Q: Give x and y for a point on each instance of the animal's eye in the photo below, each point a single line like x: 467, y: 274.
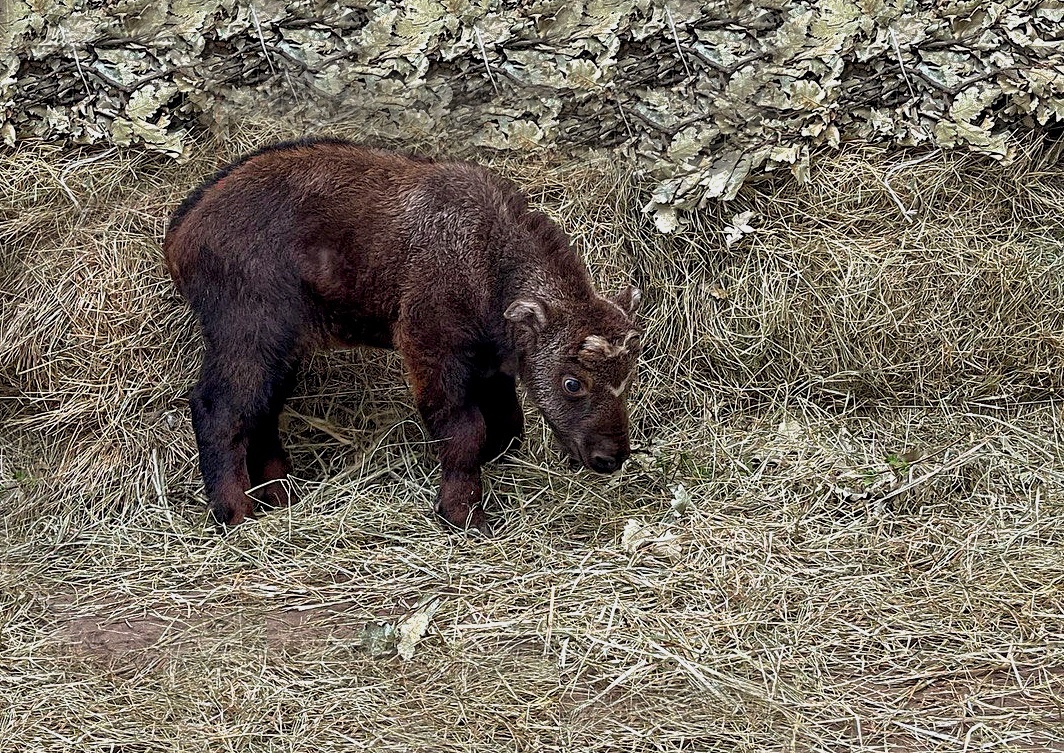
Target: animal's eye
x: 573, y: 386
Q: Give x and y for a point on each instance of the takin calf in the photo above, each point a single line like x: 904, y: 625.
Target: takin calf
x: 325, y: 243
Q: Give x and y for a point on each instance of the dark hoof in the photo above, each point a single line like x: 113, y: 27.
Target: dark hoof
x: 276, y: 494
x: 458, y: 503
x: 474, y: 520
x: 227, y: 515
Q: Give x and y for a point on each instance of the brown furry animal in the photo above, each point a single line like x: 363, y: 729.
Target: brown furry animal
x: 324, y: 243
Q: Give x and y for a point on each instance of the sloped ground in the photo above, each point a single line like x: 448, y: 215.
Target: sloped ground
x: 845, y: 529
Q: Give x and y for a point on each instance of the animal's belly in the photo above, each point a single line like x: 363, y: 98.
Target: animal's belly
x: 347, y: 332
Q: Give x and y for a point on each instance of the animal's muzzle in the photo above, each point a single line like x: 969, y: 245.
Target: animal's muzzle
x: 607, y: 456
x: 605, y: 463
x: 596, y: 453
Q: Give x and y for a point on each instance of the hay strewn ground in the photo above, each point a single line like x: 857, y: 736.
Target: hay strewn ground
x: 846, y: 531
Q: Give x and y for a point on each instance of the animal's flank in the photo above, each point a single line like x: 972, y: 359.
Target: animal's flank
x: 322, y: 242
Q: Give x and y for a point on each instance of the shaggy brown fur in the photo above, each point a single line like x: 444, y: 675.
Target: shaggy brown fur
x: 326, y: 243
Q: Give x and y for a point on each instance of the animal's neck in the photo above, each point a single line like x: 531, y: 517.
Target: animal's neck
x: 557, y: 277
x: 538, y: 264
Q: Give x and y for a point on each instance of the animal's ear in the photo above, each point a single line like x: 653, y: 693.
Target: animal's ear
x: 629, y: 299
x: 531, y: 312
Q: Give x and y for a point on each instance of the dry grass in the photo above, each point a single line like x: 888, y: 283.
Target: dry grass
x: 846, y: 531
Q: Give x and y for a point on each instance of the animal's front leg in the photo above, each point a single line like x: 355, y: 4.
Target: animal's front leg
x: 439, y: 361
x: 461, y: 436
x: 441, y: 391
x: 460, y: 433
x: 496, y: 396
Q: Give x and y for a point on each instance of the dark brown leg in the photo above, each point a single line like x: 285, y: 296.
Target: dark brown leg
x: 267, y: 462
x: 235, y: 406
x: 222, y: 436
x: 441, y: 382
x: 461, y: 437
x: 496, y: 396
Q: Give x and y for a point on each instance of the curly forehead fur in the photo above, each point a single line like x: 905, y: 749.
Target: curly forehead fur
x: 597, y: 347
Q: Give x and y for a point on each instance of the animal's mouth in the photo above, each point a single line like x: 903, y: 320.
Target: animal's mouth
x: 573, y: 452
x: 570, y: 452
x: 604, y: 463
x: 574, y: 456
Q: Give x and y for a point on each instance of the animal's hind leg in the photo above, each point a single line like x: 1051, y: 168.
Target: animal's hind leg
x: 234, y: 412
x: 268, y: 464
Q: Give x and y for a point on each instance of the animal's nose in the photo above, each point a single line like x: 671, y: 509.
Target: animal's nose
x: 605, y: 463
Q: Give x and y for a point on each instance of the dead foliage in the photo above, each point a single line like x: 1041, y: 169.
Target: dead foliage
x: 701, y: 94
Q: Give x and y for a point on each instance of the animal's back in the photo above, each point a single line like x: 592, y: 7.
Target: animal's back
x: 272, y: 205
x: 358, y: 228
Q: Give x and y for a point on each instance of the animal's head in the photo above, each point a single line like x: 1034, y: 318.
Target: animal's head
x: 577, y: 361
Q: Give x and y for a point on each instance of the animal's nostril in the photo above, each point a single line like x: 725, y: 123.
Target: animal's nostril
x: 604, y: 463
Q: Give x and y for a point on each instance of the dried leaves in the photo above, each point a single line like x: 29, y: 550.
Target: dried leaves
x: 699, y: 94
